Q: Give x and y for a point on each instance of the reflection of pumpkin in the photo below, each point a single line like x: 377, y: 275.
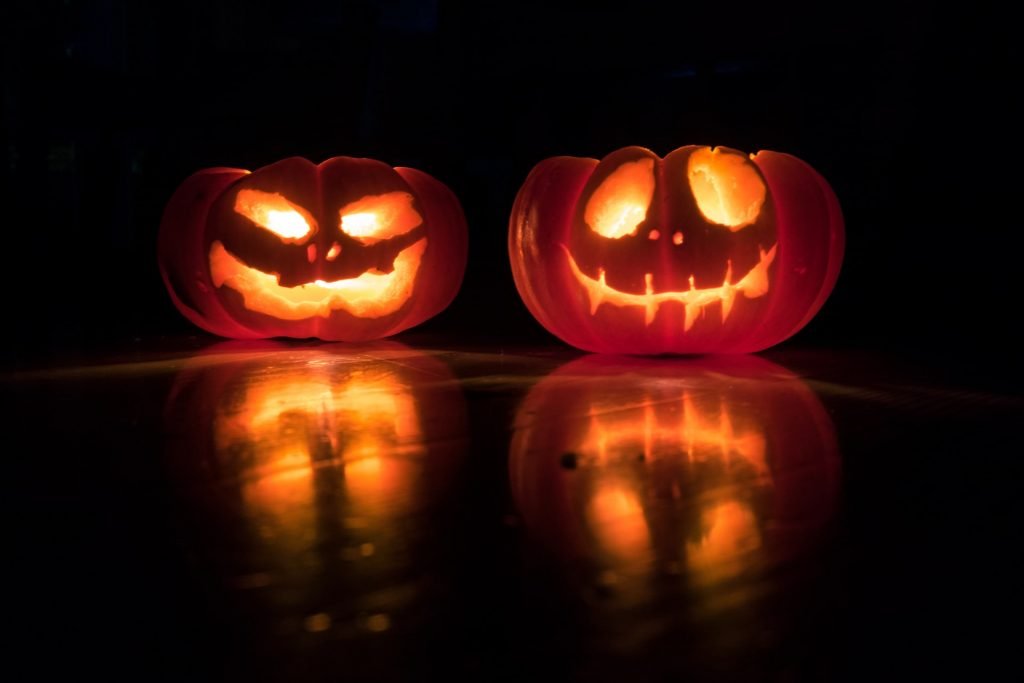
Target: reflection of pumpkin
x: 348, y: 250
x: 318, y: 463
x: 703, y: 251
x: 710, y: 468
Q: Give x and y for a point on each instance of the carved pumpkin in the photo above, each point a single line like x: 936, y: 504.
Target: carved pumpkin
x: 704, y: 251
x: 349, y: 250
x: 311, y: 466
x: 706, y: 469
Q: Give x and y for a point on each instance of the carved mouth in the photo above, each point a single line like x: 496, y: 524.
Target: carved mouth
x: 753, y: 285
x: 371, y: 295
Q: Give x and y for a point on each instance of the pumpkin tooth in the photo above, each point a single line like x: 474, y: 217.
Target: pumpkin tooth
x: 755, y: 283
x: 597, y: 293
x: 692, y: 311
x: 651, y: 309
x: 728, y: 298
x: 728, y: 293
x: 752, y: 285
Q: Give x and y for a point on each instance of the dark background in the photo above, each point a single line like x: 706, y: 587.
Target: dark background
x: 910, y: 112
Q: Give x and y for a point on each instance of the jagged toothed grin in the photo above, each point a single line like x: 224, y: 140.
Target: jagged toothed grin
x: 370, y: 295
x: 752, y: 285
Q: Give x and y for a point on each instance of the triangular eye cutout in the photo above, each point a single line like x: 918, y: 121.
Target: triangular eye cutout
x: 379, y: 217
x: 728, y: 189
x: 619, y: 205
x: 272, y: 212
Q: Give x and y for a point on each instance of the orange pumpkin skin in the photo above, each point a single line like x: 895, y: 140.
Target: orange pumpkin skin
x: 703, y: 251
x: 347, y: 250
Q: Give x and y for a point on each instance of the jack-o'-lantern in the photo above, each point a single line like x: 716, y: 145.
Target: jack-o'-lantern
x: 315, y: 466
x: 704, y: 470
x: 704, y: 251
x: 347, y: 250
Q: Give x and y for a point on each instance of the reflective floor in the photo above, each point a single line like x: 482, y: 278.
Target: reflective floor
x: 298, y: 512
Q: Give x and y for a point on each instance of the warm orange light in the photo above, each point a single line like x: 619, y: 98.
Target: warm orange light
x: 670, y: 426
x: 677, y: 429
x: 370, y: 295
x: 287, y: 425
x: 271, y: 211
x: 729, y: 534
x: 728, y: 189
x: 376, y: 484
x: 379, y: 217
x: 754, y: 284
x: 383, y: 424
x: 617, y: 518
x: 620, y: 203
x: 649, y: 477
x: 280, y: 503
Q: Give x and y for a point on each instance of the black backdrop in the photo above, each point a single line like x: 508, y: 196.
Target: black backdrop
x: 909, y: 111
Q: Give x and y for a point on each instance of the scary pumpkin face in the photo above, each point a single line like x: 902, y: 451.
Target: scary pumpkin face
x: 348, y: 250
x: 706, y: 250
x: 700, y: 469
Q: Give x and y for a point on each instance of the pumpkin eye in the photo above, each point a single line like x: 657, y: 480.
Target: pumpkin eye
x: 274, y: 213
x: 379, y: 217
x: 728, y: 190
x: 619, y: 204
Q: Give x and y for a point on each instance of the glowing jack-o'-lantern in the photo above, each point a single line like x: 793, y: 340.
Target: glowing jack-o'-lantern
x: 317, y: 465
x: 704, y: 251
x: 700, y: 469
x: 349, y: 250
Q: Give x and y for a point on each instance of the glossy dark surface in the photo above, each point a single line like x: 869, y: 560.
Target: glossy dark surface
x: 299, y: 512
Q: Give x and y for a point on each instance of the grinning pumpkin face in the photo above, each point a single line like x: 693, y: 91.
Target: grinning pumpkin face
x: 350, y: 249
x: 697, y: 253
x: 701, y: 251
